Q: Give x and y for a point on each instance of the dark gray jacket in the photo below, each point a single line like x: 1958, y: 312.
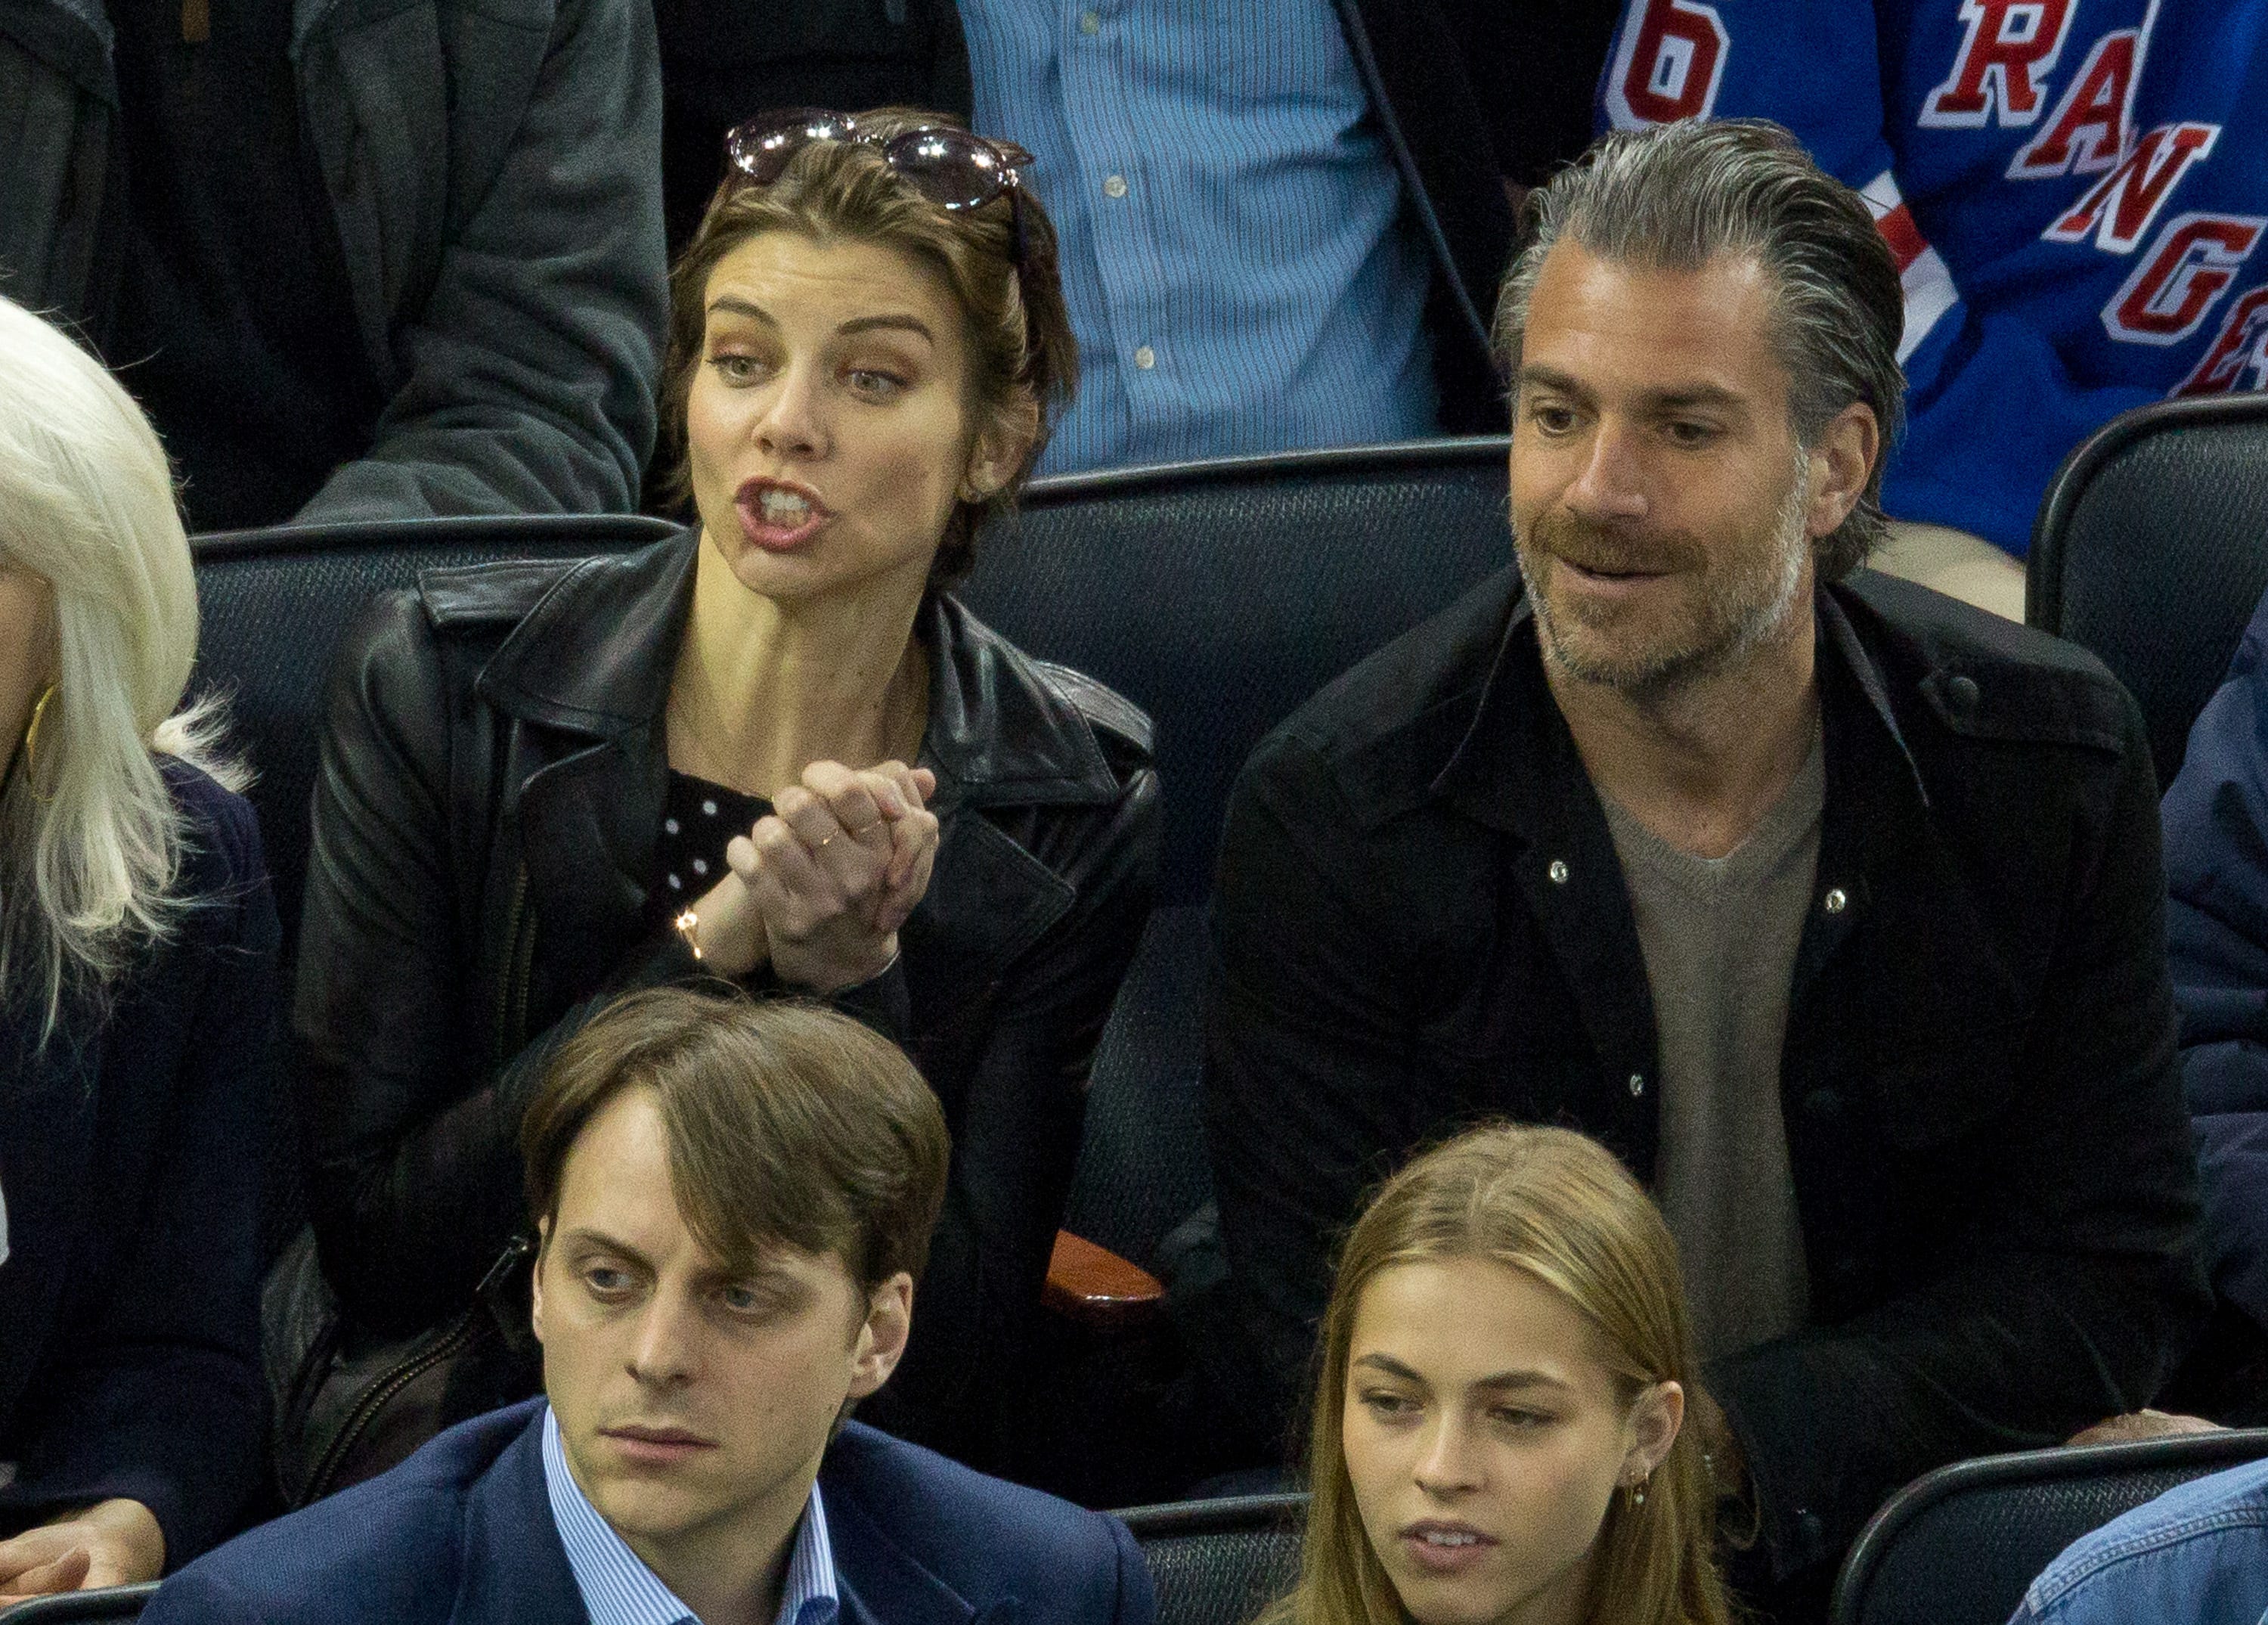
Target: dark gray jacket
x: 493, y: 169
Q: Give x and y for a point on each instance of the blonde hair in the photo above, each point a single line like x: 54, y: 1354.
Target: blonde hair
x: 1023, y: 356
x: 1560, y: 1208
x: 89, y: 838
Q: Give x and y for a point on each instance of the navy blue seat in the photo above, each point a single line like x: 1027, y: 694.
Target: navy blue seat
x: 2152, y: 548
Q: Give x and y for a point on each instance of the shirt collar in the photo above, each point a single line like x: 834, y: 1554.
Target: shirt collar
x: 617, y: 1587
x: 1502, y: 785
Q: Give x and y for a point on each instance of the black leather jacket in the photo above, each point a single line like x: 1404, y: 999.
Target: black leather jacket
x: 494, y: 767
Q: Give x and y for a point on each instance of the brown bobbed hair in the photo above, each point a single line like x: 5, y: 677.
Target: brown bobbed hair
x: 1560, y: 1208
x: 1023, y: 357
x: 787, y: 1125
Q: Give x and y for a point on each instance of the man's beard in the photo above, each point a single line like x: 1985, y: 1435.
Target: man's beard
x: 1743, y: 604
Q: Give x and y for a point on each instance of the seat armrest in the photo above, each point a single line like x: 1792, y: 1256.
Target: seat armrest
x: 1095, y: 1287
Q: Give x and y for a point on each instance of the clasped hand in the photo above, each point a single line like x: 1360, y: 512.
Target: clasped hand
x: 821, y: 884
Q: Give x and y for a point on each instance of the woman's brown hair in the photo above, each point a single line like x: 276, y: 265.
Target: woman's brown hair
x: 1561, y: 1209
x: 1023, y: 359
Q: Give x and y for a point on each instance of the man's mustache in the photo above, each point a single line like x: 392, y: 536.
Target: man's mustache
x: 1608, y: 550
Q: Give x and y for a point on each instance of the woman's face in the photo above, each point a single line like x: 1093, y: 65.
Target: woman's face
x: 1485, y: 1440
x: 828, y: 424
x: 28, y: 651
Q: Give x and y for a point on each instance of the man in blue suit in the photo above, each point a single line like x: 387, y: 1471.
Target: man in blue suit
x: 733, y: 1201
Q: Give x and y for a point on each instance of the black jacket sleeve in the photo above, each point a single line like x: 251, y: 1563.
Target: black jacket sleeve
x: 1018, y: 1120
x: 415, y: 1178
x: 1311, y: 1088
x: 2075, y: 1287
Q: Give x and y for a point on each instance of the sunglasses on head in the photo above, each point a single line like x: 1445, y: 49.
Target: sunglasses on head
x: 954, y: 168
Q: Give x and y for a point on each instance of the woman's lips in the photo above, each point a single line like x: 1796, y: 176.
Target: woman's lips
x: 779, y: 516
x: 1442, y: 1549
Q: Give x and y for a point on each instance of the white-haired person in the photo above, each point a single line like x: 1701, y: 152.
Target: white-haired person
x: 137, y: 963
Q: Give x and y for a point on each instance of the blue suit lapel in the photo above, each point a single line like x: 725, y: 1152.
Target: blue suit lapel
x: 882, y: 1584
x: 514, y: 1570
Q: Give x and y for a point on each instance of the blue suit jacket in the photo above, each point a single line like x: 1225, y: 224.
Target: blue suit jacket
x: 461, y: 1533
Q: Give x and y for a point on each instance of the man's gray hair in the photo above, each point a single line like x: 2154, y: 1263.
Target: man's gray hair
x: 1674, y: 197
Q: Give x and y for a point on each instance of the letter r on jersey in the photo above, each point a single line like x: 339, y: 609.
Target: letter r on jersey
x: 2005, y: 56
x: 1671, y: 62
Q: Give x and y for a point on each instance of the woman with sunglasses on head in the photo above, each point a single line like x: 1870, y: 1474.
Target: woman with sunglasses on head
x: 1498, y: 1430
x: 774, y: 750
x: 137, y: 1009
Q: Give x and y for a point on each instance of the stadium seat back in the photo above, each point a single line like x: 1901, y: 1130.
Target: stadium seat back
x: 2152, y: 550
x: 109, y: 1605
x: 1219, y: 1563
x: 1960, y: 1546
x: 1220, y: 596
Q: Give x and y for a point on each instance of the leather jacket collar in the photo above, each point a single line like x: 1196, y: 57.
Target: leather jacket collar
x: 1001, y: 731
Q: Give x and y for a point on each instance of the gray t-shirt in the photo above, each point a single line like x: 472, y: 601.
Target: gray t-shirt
x: 1719, y: 936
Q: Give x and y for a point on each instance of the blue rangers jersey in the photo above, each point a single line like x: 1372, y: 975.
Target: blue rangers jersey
x: 2075, y: 191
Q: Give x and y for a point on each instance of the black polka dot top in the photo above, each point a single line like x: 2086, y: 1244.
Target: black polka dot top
x: 698, y: 819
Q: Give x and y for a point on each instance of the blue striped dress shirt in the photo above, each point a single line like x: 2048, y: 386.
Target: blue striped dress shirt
x: 617, y: 1587
x: 1233, y: 254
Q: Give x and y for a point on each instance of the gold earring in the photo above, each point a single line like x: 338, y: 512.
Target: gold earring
x: 31, y: 739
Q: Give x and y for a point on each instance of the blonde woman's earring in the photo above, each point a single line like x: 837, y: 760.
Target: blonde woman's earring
x: 31, y: 740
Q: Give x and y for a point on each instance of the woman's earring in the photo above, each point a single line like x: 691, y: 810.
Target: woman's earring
x: 31, y: 740
x: 1638, y: 1493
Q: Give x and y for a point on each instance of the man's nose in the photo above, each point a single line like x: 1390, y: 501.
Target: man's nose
x: 1611, y: 484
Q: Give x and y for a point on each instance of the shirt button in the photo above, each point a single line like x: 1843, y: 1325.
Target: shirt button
x: 1089, y: 22
x: 1558, y: 872
x: 1145, y: 357
x: 1835, y: 902
x: 1114, y: 187
x: 1638, y: 1083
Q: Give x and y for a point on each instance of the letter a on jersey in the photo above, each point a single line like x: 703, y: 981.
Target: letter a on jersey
x: 1671, y: 62
x: 2010, y: 47
x: 2088, y: 129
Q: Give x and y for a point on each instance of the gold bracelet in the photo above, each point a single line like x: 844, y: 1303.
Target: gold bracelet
x: 688, y: 927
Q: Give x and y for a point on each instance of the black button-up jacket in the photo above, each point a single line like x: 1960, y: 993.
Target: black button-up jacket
x: 486, y: 830
x: 1421, y: 921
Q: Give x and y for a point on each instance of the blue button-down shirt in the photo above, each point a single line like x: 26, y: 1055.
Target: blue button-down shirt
x: 617, y: 1587
x: 1233, y: 250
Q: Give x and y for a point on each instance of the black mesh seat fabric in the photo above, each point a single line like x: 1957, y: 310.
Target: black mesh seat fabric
x: 274, y: 603
x: 111, y: 1605
x: 1959, y: 1546
x: 2152, y: 550
x: 1218, y: 596
x: 1219, y: 1563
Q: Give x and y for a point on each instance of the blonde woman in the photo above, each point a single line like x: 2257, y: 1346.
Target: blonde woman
x: 1499, y: 1432
x: 137, y: 947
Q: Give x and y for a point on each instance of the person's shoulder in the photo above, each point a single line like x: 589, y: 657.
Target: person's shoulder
x: 385, y: 1550
x: 224, y: 866
x: 1383, y: 729
x: 2198, y: 1552
x: 1984, y: 677
x: 983, y: 1536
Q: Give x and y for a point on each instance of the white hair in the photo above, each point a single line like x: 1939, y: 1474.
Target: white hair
x: 89, y: 838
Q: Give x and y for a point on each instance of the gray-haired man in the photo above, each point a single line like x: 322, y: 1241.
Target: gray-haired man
x: 1831, y: 904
